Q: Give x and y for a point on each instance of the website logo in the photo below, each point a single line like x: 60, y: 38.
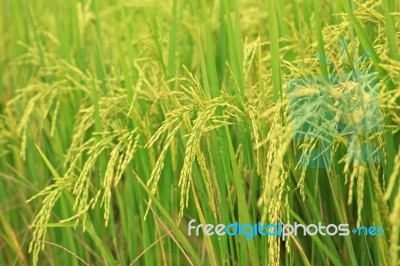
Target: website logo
x: 342, y: 104
x: 280, y: 230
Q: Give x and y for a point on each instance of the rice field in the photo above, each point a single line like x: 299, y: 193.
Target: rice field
x: 121, y: 122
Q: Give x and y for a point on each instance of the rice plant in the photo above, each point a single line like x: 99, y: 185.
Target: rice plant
x: 121, y: 122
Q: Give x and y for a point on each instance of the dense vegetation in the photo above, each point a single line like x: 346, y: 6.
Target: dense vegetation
x: 120, y: 121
